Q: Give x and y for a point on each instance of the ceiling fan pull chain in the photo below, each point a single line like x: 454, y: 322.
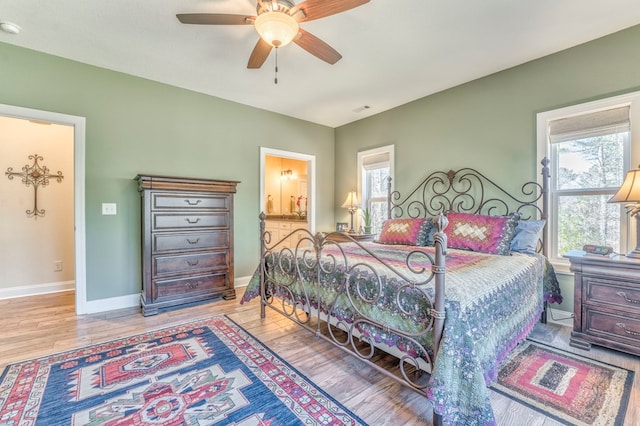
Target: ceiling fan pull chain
x: 275, y: 81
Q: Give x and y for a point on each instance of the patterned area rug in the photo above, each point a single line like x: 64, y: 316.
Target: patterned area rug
x: 201, y: 373
x: 569, y: 388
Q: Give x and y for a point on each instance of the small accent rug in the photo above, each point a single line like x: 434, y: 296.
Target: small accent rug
x: 569, y: 388
x: 202, y: 373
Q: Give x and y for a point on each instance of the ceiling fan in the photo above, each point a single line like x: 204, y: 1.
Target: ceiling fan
x: 277, y: 24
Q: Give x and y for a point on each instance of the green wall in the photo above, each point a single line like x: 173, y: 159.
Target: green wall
x: 139, y: 126
x: 489, y: 123
x: 136, y: 126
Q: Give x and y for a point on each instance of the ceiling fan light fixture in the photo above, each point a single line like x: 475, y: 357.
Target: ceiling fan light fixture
x: 276, y: 28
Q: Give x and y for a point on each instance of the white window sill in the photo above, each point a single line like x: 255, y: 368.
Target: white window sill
x: 561, y: 266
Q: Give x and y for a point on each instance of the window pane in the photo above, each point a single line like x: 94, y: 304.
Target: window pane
x: 378, y: 210
x: 377, y: 182
x: 591, y: 163
x: 587, y: 220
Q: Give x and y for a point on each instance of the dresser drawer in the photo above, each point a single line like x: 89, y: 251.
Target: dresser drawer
x: 614, y: 326
x: 190, y: 201
x: 612, y: 292
x: 165, y: 221
x: 190, y: 241
x: 193, y: 286
x: 190, y: 263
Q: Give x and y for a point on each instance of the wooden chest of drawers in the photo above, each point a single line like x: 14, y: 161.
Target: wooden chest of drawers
x: 187, y: 241
x: 606, y: 302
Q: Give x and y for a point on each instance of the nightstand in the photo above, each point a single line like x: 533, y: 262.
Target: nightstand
x: 606, y: 302
x: 342, y: 237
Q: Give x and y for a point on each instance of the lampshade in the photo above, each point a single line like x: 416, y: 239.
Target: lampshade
x: 629, y: 192
x: 351, y: 201
x: 276, y: 28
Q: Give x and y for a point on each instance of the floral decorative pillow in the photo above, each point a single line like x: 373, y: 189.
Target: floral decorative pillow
x: 486, y: 234
x: 401, y: 231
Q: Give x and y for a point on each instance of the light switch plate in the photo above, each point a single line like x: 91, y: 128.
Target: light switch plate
x: 108, y: 209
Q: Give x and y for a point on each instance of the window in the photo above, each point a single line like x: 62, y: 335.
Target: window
x: 375, y: 166
x: 590, y: 149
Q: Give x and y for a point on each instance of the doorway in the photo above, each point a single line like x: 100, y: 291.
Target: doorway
x: 79, y: 241
x: 309, y: 191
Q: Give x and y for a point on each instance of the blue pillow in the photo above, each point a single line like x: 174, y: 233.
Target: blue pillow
x: 527, y: 236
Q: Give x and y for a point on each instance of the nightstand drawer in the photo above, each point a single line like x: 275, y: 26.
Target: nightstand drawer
x: 623, y: 328
x: 611, y: 292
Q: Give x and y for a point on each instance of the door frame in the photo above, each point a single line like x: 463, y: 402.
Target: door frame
x: 311, y: 179
x: 79, y: 139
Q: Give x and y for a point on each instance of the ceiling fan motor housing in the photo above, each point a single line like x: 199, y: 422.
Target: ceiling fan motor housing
x: 274, y: 24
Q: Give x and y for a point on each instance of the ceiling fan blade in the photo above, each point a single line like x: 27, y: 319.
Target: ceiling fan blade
x: 259, y: 54
x: 316, y: 47
x: 215, y: 19
x: 316, y: 9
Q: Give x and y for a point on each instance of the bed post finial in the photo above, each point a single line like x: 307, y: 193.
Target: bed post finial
x: 441, y: 223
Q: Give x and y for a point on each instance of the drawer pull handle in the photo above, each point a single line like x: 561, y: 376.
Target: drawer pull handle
x: 193, y: 242
x: 193, y: 285
x: 192, y: 262
x: 192, y: 221
x: 624, y: 327
x: 624, y: 296
x: 193, y: 203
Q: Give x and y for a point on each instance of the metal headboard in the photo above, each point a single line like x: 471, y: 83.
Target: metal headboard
x: 469, y: 191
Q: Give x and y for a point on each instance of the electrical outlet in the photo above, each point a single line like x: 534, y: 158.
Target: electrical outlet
x: 57, y: 266
x: 108, y: 209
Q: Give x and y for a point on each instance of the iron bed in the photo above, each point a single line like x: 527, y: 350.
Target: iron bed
x: 364, y: 297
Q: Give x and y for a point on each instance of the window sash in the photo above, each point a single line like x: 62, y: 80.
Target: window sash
x: 369, y: 162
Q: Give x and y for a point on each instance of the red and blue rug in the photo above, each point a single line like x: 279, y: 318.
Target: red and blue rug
x: 567, y: 387
x: 201, y: 373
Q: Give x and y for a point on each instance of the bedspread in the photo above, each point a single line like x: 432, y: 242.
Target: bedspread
x: 491, y: 304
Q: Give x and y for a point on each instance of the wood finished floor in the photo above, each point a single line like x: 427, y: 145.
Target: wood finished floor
x: 35, y: 326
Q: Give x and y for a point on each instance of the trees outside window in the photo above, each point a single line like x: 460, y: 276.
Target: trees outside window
x: 589, y: 171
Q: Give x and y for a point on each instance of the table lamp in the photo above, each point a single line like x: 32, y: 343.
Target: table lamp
x: 629, y: 193
x: 351, y: 203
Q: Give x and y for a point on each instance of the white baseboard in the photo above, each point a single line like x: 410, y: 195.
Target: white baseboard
x: 557, y: 316
x: 112, y: 303
x: 32, y: 290
x: 242, y: 281
x: 91, y: 306
x: 131, y: 300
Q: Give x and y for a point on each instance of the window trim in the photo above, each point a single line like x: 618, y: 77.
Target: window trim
x: 388, y: 149
x: 627, y: 227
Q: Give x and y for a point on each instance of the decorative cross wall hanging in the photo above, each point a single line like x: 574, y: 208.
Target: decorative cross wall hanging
x: 35, y: 175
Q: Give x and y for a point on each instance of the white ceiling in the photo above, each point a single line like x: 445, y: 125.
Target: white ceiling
x: 394, y: 51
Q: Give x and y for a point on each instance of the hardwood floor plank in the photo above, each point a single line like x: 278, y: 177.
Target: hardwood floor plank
x: 36, y: 326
